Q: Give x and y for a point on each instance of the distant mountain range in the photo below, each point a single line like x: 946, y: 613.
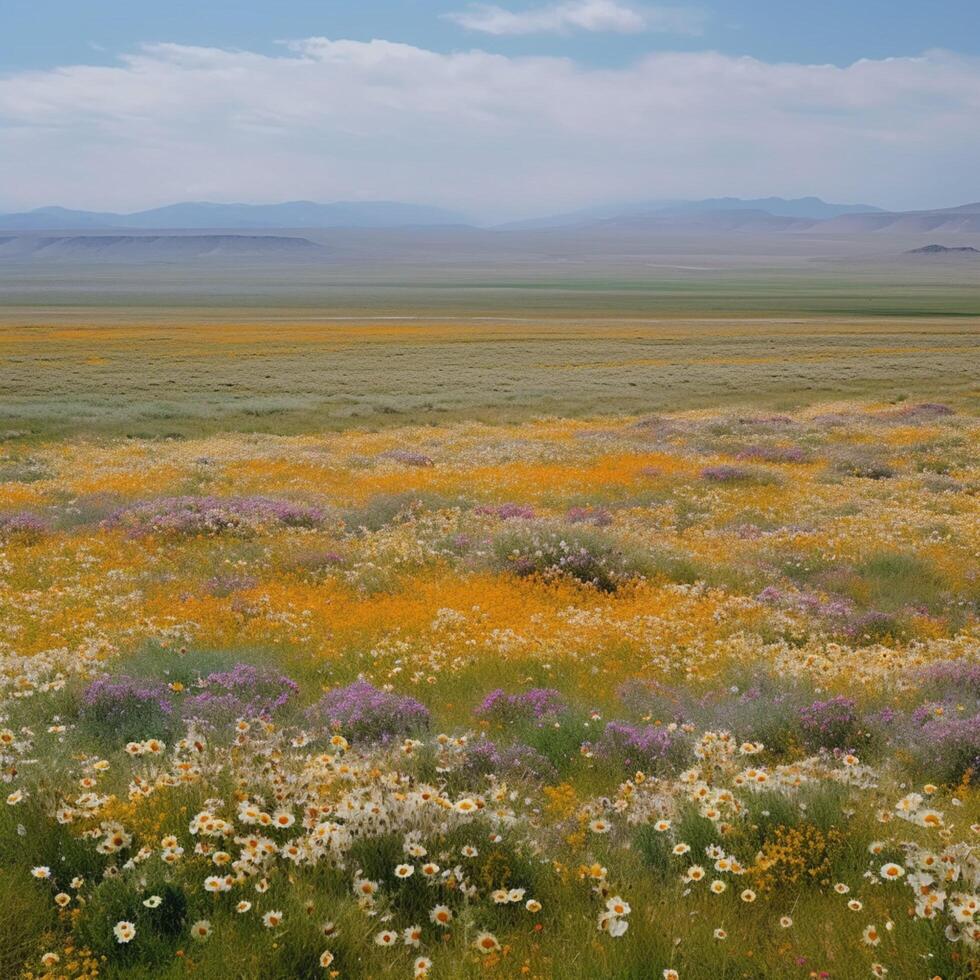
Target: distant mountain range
x: 731, y: 215
x: 204, y: 215
x: 142, y: 248
x: 800, y: 207
x: 944, y: 250
x: 723, y: 215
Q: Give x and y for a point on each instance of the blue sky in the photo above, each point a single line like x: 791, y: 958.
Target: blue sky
x: 46, y: 33
x: 502, y: 109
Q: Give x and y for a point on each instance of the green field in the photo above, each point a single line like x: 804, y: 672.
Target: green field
x: 124, y: 372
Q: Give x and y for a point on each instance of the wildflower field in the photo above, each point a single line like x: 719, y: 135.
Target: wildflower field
x: 692, y: 694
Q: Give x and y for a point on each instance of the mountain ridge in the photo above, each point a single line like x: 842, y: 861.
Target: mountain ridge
x: 200, y: 215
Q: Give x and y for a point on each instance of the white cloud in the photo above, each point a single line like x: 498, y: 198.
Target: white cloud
x: 360, y: 120
x: 579, y: 15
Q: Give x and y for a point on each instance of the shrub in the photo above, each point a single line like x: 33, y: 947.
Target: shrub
x: 946, y: 678
x: 484, y: 756
x: 865, y: 467
x: 582, y: 553
x: 24, y: 525
x: 775, y: 454
x: 535, y: 704
x: 363, y: 712
x: 597, y: 516
x: 830, y: 724
x: 726, y: 473
x: 188, y: 516
x: 384, y: 509
x: 653, y: 748
x: 245, y: 691
x: 947, y: 748
x: 125, y: 709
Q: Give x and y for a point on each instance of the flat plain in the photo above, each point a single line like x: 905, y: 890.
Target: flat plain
x: 563, y: 630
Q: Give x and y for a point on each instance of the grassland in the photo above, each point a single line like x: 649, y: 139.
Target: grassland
x: 129, y: 373
x: 294, y: 698
x: 603, y: 641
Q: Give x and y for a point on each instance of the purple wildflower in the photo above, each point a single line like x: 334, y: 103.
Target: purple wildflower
x: 127, y: 708
x: 212, y: 515
x: 23, y: 524
x: 363, y: 712
x: 651, y: 747
x: 484, y: 756
x: 537, y: 703
x: 830, y: 723
x: 725, y: 473
x: 598, y: 516
x: 245, y: 691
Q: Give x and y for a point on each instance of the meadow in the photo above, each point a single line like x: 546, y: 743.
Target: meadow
x: 463, y: 648
x: 131, y: 373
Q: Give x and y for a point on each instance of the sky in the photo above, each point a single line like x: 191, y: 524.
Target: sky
x: 501, y: 110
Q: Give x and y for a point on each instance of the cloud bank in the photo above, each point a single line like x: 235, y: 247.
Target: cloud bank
x: 579, y: 15
x: 500, y: 136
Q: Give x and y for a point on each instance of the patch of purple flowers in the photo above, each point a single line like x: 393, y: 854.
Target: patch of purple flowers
x: 127, y: 708
x: 725, y: 473
x: 532, y: 705
x: 486, y: 756
x: 829, y: 724
x: 651, y: 747
x: 24, y: 524
x: 948, y: 748
x: 363, y: 712
x: 245, y: 691
x: 774, y: 454
x: 951, y: 676
x: 598, y: 516
x: 212, y: 515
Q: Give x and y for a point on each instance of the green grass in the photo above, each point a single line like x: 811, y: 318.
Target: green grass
x: 122, y: 372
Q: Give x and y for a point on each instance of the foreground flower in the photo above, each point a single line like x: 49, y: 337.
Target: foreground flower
x: 422, y: 966
x: 441, y: 915
x: 124, y: 931
x: 616, y: 927
x: 326, y: 958
x: 617, y: 906
x: 486, y: 942
x: 153, y: 902
x: 201, y: 930
x: 272, y: 919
